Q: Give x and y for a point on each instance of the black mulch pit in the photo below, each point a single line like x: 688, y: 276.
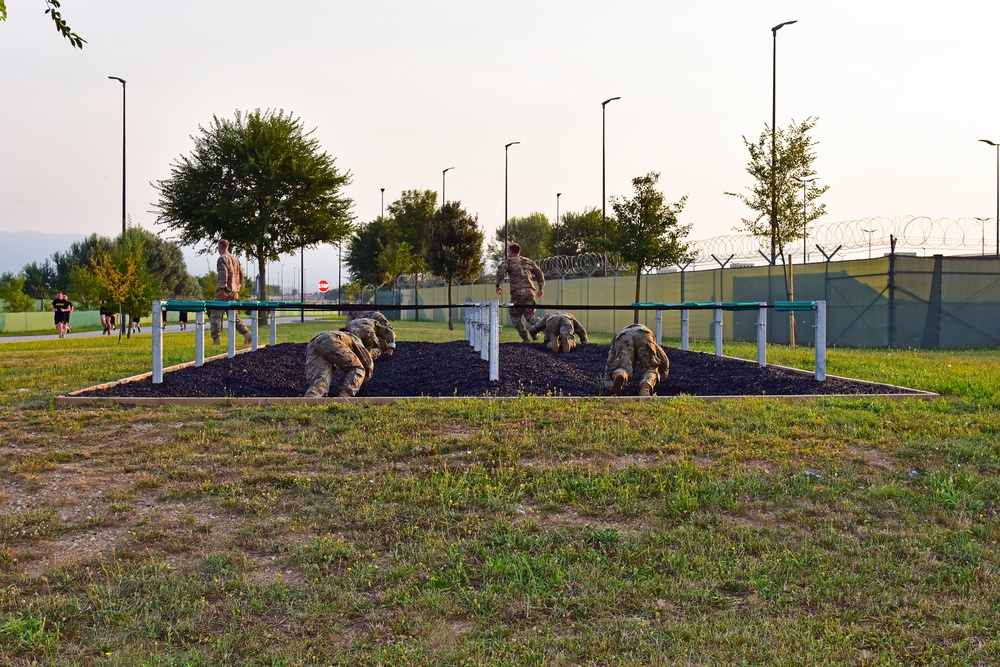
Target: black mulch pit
x: 455, y: 369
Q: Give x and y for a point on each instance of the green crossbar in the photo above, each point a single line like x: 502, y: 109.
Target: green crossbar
x: 788, y: 306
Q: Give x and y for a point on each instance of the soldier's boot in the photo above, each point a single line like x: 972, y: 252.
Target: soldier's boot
x: 567, y: 345
x: 525, y: 338
x: 645, y: 389
x: 248, y: 338
x: 619, y: 385
x: 554, y: 346
x: 345, y: 393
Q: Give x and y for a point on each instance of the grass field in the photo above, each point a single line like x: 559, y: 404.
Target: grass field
x: 529, y: 532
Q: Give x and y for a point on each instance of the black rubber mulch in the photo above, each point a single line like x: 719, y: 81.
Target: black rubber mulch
x: 455, y: 369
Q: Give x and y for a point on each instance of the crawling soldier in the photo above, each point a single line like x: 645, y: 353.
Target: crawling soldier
x: 559, y: 329
x: 377, y: 337
x: 635, y: 345
x: 331, y: 350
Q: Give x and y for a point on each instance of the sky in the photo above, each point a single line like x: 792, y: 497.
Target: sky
x: 397, y: 91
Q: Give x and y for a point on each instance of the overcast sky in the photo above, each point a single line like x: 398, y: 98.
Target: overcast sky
x: 400, y: 90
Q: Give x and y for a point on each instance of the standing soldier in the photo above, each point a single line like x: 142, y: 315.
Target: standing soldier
x: 635, y: 344
x: 559, y: 329
x: 331, y: 350
x: 377, y: 337
x: 521, y: 270
x: 227, y: 289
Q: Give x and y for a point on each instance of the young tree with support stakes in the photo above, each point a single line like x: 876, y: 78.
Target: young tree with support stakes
x: 260, y: 181
x: 794, y: 157
x: 455, y: 247
x: 647, y: 233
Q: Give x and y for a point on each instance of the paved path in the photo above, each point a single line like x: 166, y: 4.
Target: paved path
x: 145, y: 331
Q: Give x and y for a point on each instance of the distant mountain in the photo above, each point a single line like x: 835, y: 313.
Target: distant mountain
x: 20, y: 248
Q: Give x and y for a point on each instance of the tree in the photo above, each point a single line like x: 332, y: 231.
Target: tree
x: 165, y: 261
x: 39, y: 280
x: 84, y: 288
x: 794, y: 157
x: 56, y: 16
x: 364, y: 249
x: 262, y: 182
x: 125, y: 280
x: 12, y: 292
x: 578, y: 233
x: 455, y: 248
x: 648, y: 233
x: 395, y: 259
x: 532, y: 232
x: 412, y: 214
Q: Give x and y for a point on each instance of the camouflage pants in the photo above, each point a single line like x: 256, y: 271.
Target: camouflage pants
x: 521, y: 312
x: 626, y: 354
x: 215, y: 315
x: 324, y: 355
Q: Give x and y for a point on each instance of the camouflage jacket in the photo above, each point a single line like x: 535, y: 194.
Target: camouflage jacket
x: 523, y: 274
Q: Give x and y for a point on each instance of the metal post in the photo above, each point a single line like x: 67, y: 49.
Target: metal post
x: 274, y: 327
x: 685, y: 324
x: 820, y: 340
x: 717, y: 330
x: 199, y: 338
x: 231, y: 343
x: 494, y: 341
x: 659, y: 327
x: 477, y: 334
x: 157, y: 343
x: 254, y: 316
x: 762, y: 334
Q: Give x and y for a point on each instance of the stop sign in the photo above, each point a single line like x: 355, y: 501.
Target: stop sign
x: 324, y: 286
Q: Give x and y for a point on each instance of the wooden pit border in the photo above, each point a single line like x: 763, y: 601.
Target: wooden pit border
x: 76, y: 399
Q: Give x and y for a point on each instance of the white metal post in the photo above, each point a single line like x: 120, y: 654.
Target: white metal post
x: 254, y: 316
x: 157, y: 342
x: 494, y: 341
x: 717, y: 331
x: 477, y: 328
x: 762, y: 334
x: 199, y: 338
x: 486, y: 345
x: 684, y: 329
x: 274, y: 326
x: 659, y: 327
x: 820, y: 340
x: 231, y: 342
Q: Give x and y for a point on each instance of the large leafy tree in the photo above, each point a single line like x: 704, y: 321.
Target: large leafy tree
x: 262, y: 182
x: 532, y: 232
x: 412, y: 214
x: 455, y: 247
x: 365, y: 248
x: 39, y: 280
x: 647, y: 233
x: 12, y: 292
x: 794, y: 157
x: 578, y: 233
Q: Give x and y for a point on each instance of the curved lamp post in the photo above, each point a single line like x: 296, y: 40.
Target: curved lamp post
x: 123, y: 151
x: 987, y: 141
x: 774, y: 104
x: 604, y: 209
x: 506, y: 237
x: 443, y: 200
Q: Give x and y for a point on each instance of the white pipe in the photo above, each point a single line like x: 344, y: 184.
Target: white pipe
x: 254, y: 317
x: 820, y: 340
x: 232, y: 333
x: 717, y: 331
x: 494, y: 341
x: 274, y: 327
x: 659, y: 327
x: 486, y: 327
x: 199, y: 338
x: 762, y: 334
x: 157, y: 342
x: 685, y: 324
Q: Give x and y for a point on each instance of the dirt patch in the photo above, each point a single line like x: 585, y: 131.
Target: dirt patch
x: 455, y: 369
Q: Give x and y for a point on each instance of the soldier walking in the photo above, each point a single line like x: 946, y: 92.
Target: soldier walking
x: 635, y: 345
x: 331, y: 350
x: 227, y: 289
x: 523, y: 273
x: 559, y: 330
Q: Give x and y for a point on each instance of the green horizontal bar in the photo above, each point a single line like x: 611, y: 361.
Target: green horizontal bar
x: 788, y: 306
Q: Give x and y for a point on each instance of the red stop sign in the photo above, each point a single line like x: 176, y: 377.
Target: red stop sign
x: 324, y: 286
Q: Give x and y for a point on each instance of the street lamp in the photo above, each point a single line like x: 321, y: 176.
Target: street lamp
x: 604, y: 209
x: 987, y: 141
x: 558, y: 195
x: 506, y: 237
x: 383, y: 202
x: 805, y: 221
x: 443, y: 200
x: 774, y: 105
x: 123, y: 151
x: 869, y: 232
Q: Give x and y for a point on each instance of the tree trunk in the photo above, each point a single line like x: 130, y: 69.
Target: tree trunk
x: 450, y: 325
x: 262, y: 286
x: 790, y: 291
x: 638, y: 277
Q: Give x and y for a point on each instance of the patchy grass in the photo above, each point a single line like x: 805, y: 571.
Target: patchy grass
x: 530, y: 532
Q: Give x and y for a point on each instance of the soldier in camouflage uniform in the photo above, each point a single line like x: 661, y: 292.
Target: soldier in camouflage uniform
x: 635, y: 344
x: 378, y: 338
x: 522, y: 273
x: 559, y: 329
x: 227, y: 289
x: 331, y: 350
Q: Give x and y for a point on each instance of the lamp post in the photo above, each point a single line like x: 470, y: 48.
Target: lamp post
x: 506, y: 236
x: 774, y: 105
x: 443, y: 200
x: 991, y: 143
x: 383, y: 202
x: 869, y: 232
x: 604, y: 208
x: 558, y: 195
x: 805, y: 221
x: 123, y: 151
